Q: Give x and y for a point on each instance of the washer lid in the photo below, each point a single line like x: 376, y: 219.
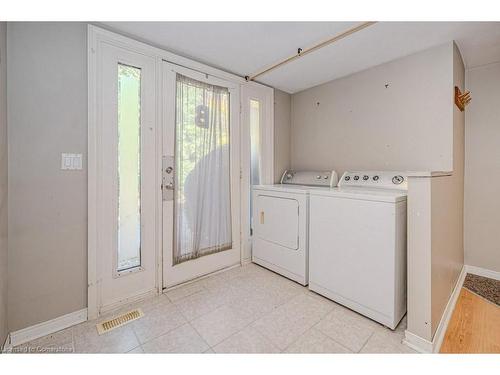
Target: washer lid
x: 378, y: 195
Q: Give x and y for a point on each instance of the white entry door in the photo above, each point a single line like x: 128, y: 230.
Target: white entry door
x: 201, y: 175
x: 126, y: 177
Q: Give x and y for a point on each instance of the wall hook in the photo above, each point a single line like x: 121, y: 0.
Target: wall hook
x: 462, y: 99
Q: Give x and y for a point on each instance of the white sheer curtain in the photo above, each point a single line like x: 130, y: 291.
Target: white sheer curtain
x: 203, y: 187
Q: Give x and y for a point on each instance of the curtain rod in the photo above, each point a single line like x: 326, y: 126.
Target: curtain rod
x: 302, y: 52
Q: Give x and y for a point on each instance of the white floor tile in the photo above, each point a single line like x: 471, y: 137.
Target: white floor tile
x: 137, y: 350
x: 243, y: 310
x: 220, y: 324
x: 313, y: 341
x: 347, y: 328
x: 249, y: 340
x: 157, y: 322
x: 386, y: 342
x: 120, y: 340
x: 181, y: 340
x: 199, y: 304
x: 289, y: 321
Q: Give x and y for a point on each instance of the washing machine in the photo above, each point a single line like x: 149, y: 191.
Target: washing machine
x: 357, y: 244
x: 280, y: 222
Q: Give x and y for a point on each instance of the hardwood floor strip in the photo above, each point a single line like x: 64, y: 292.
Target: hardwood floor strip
x: 474, y: 326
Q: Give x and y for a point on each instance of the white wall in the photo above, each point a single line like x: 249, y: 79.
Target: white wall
x: 47, y: 90
x: 282, y: 112
x: 357, y: 123
x: 3, y: 182
x: 482, y: 168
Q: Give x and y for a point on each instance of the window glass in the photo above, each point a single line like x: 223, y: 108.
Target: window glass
x: 129, y: 167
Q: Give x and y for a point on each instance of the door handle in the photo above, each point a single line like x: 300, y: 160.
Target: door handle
x: 167, y: 178
x: 262, y: 217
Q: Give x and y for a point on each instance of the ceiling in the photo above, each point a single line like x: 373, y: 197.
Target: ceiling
x: 245, y: 48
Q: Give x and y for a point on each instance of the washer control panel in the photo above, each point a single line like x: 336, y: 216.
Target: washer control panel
x: 375, y: 179
x: 310, y: 178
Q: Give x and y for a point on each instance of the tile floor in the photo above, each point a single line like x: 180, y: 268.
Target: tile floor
x: 244, y: 310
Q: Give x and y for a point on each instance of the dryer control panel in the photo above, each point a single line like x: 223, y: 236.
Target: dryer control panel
x: 375, y: 179
x: 310, y: 178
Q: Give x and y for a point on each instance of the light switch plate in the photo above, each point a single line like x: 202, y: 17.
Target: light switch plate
x: 71, y: 162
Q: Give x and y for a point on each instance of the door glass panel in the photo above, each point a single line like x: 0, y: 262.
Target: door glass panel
x: 254, y: 151
x: 202, y: 197
x: 129, y: 167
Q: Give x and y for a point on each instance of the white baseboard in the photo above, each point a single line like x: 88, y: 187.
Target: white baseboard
x: 448, y: 311
x: 424, y: 346
x: 417, y: 343
x: 483, y: 272
x: 7, y: 345
x: 46, y: 328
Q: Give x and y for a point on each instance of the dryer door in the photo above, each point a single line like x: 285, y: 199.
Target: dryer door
x: 276, y: 220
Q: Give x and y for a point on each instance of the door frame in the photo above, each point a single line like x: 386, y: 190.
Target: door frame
x: 265, y: 95
x: 96, y: 36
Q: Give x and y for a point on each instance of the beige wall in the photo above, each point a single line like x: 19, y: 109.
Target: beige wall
x: 482, y: 168
x: 435, y: 230
x: 3, y: 182
x: 47, y: 89
x: 282, y: 112
x: 357, y: 123
x: 448, y: 211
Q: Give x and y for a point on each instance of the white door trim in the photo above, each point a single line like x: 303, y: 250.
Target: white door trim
x: 96, y: 35
x: 96, y: 153
x: 265, y: 95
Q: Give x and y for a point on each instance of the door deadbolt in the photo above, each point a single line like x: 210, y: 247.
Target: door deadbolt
x: 169, y: 170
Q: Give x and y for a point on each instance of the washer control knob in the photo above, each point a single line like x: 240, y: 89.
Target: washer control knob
x: 325, y: 177
x: 397, y: 179
x: 347, y: 178
x: 365, y: 177
x: 318, y: 177
x: 375, y: 178
x: 356, y: 178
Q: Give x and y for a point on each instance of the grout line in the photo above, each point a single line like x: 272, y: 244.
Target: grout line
x: 136, y: 337
x: 297, y: 339
x: 366, y: 342
x: 330, y: 337
x: 197, y: 316
x: 201, y: 337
